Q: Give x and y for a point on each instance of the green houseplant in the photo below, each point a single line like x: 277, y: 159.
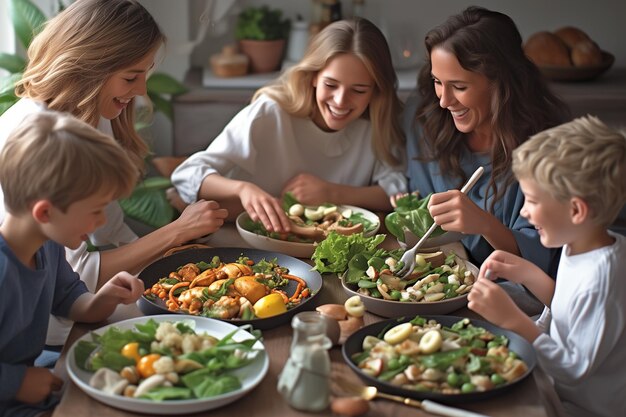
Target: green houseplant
x: 262, y: 34
x: 148, y: 203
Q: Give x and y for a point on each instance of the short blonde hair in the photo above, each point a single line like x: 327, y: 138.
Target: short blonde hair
x: 78, y: 50
x: 57, y: 157
x: 582, y: 158
x: 295, y: 93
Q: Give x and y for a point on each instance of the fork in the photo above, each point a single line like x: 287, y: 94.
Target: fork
x: 370, y: 392
x: 408, y: 258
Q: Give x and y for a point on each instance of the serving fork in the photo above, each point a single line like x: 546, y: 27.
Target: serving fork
x: 408, y: 258
x: 370, y: 392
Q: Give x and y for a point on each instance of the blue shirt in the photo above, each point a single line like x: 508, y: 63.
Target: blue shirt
x: 27, y: 297
x: 426, y: 178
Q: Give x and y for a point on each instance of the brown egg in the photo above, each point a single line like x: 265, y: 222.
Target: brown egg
x: 349, y: 406
x: 333, y: 331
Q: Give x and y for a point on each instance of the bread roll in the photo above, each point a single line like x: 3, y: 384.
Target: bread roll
x: 546, y: 49
x: 571, y: 36
x: 586, y: 53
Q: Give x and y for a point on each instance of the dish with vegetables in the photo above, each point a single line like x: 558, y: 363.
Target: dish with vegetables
x: 168, y: 365
x: 442, y: 358
x: 438, y: 285
x: 310, y: 224
x: 411, y: 219
x: 243, y: 286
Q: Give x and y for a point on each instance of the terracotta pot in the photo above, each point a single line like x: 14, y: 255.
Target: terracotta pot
x: 265, y: 56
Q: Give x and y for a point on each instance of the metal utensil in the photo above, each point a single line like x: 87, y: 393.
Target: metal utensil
x: 408, y: 258
x: 370, y: 392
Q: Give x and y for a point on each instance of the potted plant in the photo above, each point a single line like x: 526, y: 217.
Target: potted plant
x: 262, y: 34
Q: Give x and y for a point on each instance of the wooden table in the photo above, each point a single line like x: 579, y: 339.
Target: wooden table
x: 534, y: 397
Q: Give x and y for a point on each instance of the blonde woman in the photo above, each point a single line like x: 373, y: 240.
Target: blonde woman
x: 91, y: 61
x: 327, y: 131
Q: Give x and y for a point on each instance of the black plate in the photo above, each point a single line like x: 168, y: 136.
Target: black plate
x: 164, y: 266
x: 517, y: 344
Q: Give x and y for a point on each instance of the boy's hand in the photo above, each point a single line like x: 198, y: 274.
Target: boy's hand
x: 490, y: 301
x: 508, y: 266
x: 123, y: 287
x: 38, y: 383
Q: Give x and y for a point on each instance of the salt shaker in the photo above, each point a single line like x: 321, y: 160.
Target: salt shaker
x: 304, y: 381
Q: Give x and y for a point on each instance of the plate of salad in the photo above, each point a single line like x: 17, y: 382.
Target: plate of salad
x: 310, y: 225
x: 442, y: 358
x: 439, y: 284
x: 168, y: 365
x: 411, y: 219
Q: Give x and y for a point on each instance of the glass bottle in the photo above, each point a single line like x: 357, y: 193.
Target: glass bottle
x: 304, y: 381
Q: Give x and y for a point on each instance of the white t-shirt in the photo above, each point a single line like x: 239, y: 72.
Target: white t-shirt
x: 114, y: 232
x: 265, y: 145
x: 585, y: 349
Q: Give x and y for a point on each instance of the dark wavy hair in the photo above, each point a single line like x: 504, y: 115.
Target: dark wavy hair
x: 487, y: 43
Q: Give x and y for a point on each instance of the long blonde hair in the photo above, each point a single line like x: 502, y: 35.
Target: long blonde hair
x: 295, y: 93
x: 76, y: 53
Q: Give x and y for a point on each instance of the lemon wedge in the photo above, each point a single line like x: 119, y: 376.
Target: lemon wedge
x: 270, y: 305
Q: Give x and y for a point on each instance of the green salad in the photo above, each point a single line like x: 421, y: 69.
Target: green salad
x: 164, y: 361
x: 411, y: 213
x: 313, y: 223
x: 423, y: 355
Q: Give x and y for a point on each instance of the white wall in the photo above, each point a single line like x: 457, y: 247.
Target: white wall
x: 603, y: 20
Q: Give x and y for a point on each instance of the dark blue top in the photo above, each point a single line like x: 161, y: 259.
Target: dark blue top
x: 426, y: 178
x: 27, y: 297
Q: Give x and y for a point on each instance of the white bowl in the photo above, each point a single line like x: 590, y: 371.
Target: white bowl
x: 250, y: 375
x: 296, y: 249
x: 391, y: 308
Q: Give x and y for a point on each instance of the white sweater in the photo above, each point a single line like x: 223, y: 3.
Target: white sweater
x: 265, y: 145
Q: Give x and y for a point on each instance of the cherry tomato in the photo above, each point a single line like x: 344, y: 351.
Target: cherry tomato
x: 131, y: 351
x: 145, y: 366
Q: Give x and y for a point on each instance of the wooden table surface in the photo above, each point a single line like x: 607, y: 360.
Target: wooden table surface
x: 530, y: 398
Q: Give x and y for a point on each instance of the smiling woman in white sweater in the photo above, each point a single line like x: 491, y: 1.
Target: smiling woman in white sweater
x: 327, y: 131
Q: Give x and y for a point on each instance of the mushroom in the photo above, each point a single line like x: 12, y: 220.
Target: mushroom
x: 150, y: 383
x: 393, y: 282
x: 346, y: 230
x: 108, y: 381
x: 310, y: 232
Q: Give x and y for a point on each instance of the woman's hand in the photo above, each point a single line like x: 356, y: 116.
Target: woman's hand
x: 199, y: 219
x: 455, y: 211
x: 262, y: 207
x: 37, y: 385
x: 310, y: 190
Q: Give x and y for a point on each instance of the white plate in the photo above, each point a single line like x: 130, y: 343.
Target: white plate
x: 432, y: 242
x: 296, y: 249
x: 250, y: 375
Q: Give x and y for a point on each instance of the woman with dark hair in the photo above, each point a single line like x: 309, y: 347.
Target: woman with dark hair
x: 479, y: 97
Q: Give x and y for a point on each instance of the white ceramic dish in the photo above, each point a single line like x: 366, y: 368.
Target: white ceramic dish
x: 296, y: 249
x: 250, y: 375
x: 391, y: 309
